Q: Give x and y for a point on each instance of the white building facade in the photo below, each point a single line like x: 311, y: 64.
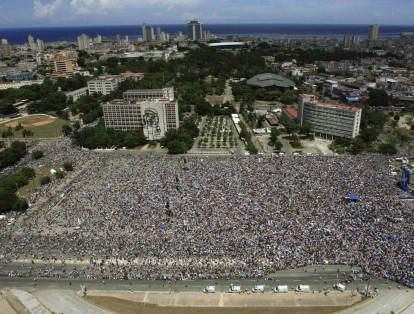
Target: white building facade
x: 152, y: 111
x: 329, y: 119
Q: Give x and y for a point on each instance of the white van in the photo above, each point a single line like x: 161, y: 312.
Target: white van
x: 281, y: 289
x: 210, y: 289
x: 234, y: 289
x: 258, y: 289
x: 303, y: 288
x: 339, y: 287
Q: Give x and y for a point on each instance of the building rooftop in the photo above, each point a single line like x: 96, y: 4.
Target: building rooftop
x: 292, y: 113
x: 269, y: 80
x: 335, y: 105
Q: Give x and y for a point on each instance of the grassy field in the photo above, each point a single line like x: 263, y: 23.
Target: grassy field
x: 26, y: 190
x: 42, y: 126
x: 121, y: 306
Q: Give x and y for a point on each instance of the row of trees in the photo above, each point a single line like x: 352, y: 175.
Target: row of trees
x: 12, y: 155
x: 101, y: 137
x: 180, y: 141
x: 9, y: 185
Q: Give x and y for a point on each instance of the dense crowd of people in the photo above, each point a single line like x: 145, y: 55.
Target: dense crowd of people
x: 128, y: 216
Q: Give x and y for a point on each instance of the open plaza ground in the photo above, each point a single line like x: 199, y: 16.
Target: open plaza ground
x: 42, y: 126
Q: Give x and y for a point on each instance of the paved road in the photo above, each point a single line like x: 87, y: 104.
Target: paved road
x: 395, y: 301
x: 64, y: 301
x: 228, y: 93
x: 318, y: 277
x: 30, y: 302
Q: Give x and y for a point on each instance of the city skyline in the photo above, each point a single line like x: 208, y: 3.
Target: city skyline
x: 41, y: 13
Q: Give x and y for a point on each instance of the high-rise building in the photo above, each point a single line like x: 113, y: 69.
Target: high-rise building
x: 5, y: 47
x: 64, y: 63
x: 83, y: 42
x: 329, y: 119
x: 373, y: 33
x: 40, y: 45
x: 147, y: 33
x: 194, y: 31
x: 98, y: 39
x: 351, y: 41
x: 31, y: 42
x: 149, y: 113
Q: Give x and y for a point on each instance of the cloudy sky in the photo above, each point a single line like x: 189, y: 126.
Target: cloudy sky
x: 23, y: 13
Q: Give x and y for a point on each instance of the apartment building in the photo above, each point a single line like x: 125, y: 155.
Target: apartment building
x: 329, y: 119
x: 64, y: 63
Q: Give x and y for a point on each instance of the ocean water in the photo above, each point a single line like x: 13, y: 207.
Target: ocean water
x: 19, y: 35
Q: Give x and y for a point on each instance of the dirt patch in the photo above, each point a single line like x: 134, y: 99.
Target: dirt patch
x: 121, y: 306
x: 30, y: 122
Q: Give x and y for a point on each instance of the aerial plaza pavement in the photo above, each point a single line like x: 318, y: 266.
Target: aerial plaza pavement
x: 131, y: 216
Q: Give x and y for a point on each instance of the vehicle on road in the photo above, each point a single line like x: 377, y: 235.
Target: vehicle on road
x: 258, y: 289
x: 234, y: 289
x: 303, y: 288
x: 339, y: 287
x: 281, y: 289
x: 209, y: 289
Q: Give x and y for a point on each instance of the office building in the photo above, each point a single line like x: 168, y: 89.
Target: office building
x: 148, y: 33
x: 373, y: 33
x: 76, y: 94
x: 83, y: 42
x: 351, y: 41
x: 32, y: 43
x: 98, y: 39
x: 40, y: 45
x: 153, y: 117
x: 194, y: 31
x: 107, y: 84
x: 104, y: 84
x: 6, y: 48
x: 64, y: 63
x: 149, y: 94
x: 19, y: 76
x: 329, y: 119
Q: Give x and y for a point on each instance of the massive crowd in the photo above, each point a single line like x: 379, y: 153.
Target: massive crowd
x: 161, y: 217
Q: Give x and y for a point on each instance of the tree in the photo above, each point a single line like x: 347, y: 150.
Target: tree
x: 68, y: 166
x: 387, y: 149
x: 288, y: 97
x: 27, y: 133
x: 67, y: 130
x: 59, y: 175
x: 177, y: 147
x: 134, y: 139
x: 379, y: 97
x: 37, y: 154
x: 274, y: 133
x: 45, y: 180
x: 306, y: 129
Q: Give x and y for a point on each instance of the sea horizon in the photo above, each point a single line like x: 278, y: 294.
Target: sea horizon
x: 18, y: 35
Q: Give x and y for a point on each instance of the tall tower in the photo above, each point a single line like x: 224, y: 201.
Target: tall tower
x: 147, y: 33
x: 373, y: 34
x: 195, y: 30
x: 31, y: 42
x: 83, y: 42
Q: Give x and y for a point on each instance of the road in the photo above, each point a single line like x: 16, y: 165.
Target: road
x: 228, y: 93
x: 318, y: 277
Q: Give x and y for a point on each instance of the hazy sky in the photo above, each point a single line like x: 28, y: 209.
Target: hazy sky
x: 15, y: 13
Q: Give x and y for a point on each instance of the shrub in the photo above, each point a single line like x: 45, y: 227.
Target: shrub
x: 45, y: 180
x: 37, y: 154
x: 59, y: 175
x: 67, y: 165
